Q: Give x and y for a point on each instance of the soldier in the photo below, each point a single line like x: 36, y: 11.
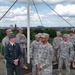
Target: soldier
x: 44, y: 56
x: 34, y: 50
x: 72, y: 40
x: 56, y: 43
x: 65, y: 54
x: 21, y: 39
x: 12, y: 54
x: 6, y: 39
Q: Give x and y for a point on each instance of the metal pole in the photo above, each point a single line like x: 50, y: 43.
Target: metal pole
x: 28, y: 31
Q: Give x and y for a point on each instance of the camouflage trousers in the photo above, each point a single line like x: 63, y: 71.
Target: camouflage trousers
x: 74, y: 57
x: 67, y: 64
x: 55, y: 58
x: 46, y: 71
x: 23, y: 58
x: 34, y: 68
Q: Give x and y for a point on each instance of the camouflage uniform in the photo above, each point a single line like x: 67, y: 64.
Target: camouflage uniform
x: 56, y: 43
x: 72, y: 40
x: 34, y: 51
x: 65, y: 53
x: 21, y: 39
x: 44, y: 58
x: 5, y: 40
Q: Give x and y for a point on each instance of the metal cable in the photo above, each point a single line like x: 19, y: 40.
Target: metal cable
x: 8, y: 9
x: 58, y: 14
x: 37, y: 12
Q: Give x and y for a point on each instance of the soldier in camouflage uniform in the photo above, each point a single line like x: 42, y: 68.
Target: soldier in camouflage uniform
x: 72, y: 40
x: 65, y: 54
x: 21, y: 39
x: 56, y: 43
x: 5, y: 40
x: 44, y: 56
x: 34, y: 50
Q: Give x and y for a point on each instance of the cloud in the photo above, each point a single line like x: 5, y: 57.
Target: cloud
x: 18, y: 15
x: 67, y: 10
x: 36, y: 1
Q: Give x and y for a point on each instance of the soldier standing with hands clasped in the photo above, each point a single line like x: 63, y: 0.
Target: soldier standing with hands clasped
x: 56, y: 43
x: 33, y: 52
x: 21, y: 39
x: 12, y: 54
x: 44, y: 56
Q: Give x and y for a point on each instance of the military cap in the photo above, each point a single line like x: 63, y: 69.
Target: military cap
x: 71, y: 31
x: 37, y: 36
x: 20, y: 28
x: 45, y: 35
x: 12, y: 36
x: 65, y: 35
x: 9, y: 31
x: 58, y: 32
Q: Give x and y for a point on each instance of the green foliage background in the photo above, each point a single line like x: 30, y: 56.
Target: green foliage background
x: 50, y: 31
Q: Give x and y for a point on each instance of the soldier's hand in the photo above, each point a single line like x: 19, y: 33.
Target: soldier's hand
x: 56, y: 48
x: 39, y: 68
x: 69, y: 60
x: 16, y: 61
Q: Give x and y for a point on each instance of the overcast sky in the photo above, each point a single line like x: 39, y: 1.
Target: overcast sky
x: 18, y: 14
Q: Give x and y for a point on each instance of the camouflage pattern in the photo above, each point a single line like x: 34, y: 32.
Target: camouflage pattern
x: 44, y: 59
x: 72, y: 40
x: 21, y: 39
x: 65, y: 53
x: 5, y: 41
x: 56, y: 43
x: 33, y: 51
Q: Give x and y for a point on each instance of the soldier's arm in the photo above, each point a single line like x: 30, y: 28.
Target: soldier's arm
x: 6, y: 55
x: 53, y: 42
x: 71, y: 51
x: 3, y: 42
x: 51, y: 53
x: 31, y: 49
x: 17, y: 39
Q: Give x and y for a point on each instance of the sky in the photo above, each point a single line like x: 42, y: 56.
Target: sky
x: 18, y: 14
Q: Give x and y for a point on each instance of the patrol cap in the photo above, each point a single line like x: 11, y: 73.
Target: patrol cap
x: 37, y: 36
x: 9, y: 31
x: 71, y: 31
x: 12, y: 36
x: 58, y: 32
x: 65, y: 35
x: 20, y: 28
x: 45, y: 35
